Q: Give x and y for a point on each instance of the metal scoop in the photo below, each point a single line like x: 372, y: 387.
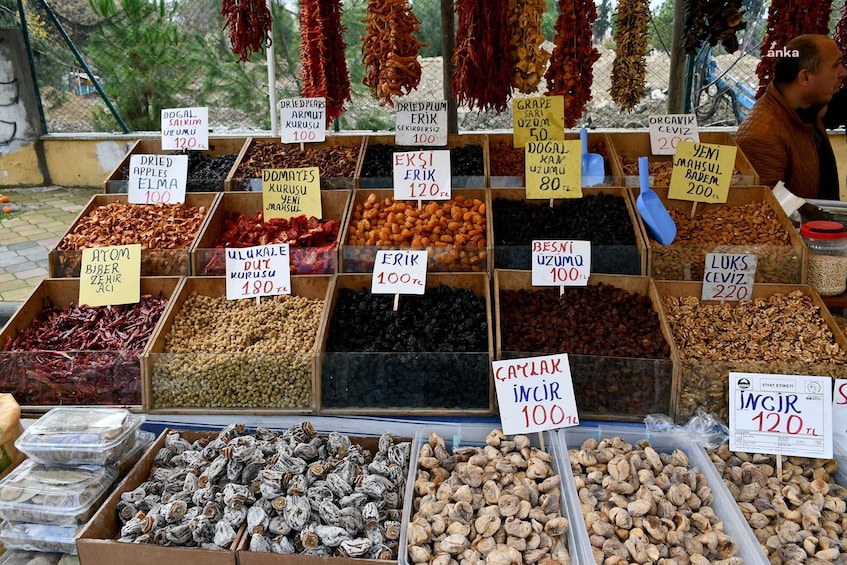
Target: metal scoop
x: 652, y: 210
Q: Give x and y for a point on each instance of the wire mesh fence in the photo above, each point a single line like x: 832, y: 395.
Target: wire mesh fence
x: 150, y: 54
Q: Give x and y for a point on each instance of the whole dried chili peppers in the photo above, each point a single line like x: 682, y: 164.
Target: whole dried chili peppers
x: 322, y: 52
x: 786, y: 20
x: 629, y: 69
x: 249, y: 23
x: 840, y: 35
x: 571, y: 66
x: 482, y: 75
x: 390, y: 50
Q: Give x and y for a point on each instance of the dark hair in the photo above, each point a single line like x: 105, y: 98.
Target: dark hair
x: 786, y: 69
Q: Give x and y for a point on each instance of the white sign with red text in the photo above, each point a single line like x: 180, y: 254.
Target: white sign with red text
x: 157, y: 179
x: 667, y: 130
x: 560, y: 262
x: 185, y: 128
x: 423, y: 175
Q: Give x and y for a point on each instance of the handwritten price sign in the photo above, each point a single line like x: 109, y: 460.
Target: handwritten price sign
x: 535, y: 394
x: 729, y: 276
x: 302, y: 120
x: 157, y: 179
x: 538, y: 118
x: 185, y: 128
x: 702, y: 172
x: 553, y: 169
x: 667, y: 130
x: 422, y: 175
x: 399, y: 272
x: 263, y: 270
x: 780, y: 414
x: 110, y: 275
x: 561, y: 262
x: 421, y: 123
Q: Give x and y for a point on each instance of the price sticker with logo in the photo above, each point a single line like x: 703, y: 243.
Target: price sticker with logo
x: 157, y: 179
x: 561, y: 262
x: 729, y: 276
x: 110, y: 275
x: 422, y: 175
x: 667, y: 130
x: 263, y: 270
x: 702, y: 172
x: 538, y: 118
x: 302, y: 120
x: 553, y: 169
x: 421, y: 123
x: 401, y: 271
x: 780, y: 414
x: 185, y: 128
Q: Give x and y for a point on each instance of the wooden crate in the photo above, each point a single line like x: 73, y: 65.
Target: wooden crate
x: 22, y: 373
x: 117, y: 181
x: 343, y: 372
x: 606, y: 388
x: 237, y: 368
x: 334, y: 204
x: 608, y: 259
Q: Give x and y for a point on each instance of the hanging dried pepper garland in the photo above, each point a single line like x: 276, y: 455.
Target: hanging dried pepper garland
x: 529, y: 60
x: 390, y: 49
x: 713, y: 21
x: 571, y: 65
x: 249, y: 23
x: 322, y: 53
x: 840, y: 35
x: 786, y: 20
x: 482, y: 75
x: 629, y: 69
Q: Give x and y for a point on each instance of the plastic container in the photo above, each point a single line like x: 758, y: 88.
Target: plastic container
x: 80, y: 436
x: 25, y: 557
x: 827, y: 243
x: 39, y: 537
x: 143, y: 441
x: 52, y: 494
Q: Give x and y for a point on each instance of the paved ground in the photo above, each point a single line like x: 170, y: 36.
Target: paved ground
x: 39, y: 219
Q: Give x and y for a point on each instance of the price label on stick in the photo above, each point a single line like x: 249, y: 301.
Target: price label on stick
x: 185, y: 128
x: 561, y: 262
x: 667, y: 130
x: 264, y: 270
x: 553, y: 169
x: 780, y: 414
x: 302, y: 120
x: 421, y: 123
x: 729, y: 276
x: 702, y: 172
x: 538, y: 118
x: 535, y: 394
x: 110, y: 275
x: 422, y: 175
x: 287, y: 193
x: 401, y: 271
x: 157, y: 179
x: 839, y: 411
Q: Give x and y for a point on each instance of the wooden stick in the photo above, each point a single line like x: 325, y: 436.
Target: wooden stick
x: 561, y: 290
x: 779, y: 467
x: 693, y: 208
x: 419, y: 204
x: 541, y: 441
x: 396, y: 301
x: 551, y: 202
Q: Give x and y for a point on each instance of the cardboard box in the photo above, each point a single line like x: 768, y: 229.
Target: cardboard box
x: 629, y: 146
x: 446, y: 258
x: 605, y: 388
x: 154, y: 262
x: 118, y: 179
x: 347, y: 384
x: 454, y: 141
x: 97, y: 542
x: 207, y: 260
x: 705, y: 384
x: 609, y: 259
x: 597, y: 143
x: 228, y: 373
x: 785, y: 264
x: 24, y: 374
x: 236, y: 180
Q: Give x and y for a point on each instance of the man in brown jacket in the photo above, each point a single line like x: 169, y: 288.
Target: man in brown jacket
x: 783, y: 136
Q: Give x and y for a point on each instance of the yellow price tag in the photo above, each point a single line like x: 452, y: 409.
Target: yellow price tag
x: 538, y: 118
x: 110, y: 275
x: 702, y: 172
x: 553, y: 169
x: 287, y: 193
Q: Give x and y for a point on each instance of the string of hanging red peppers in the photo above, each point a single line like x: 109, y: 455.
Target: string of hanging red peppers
x: 840, y: 36
x: 786, y: 20
x: 390, y: 50
x: 249, y: 23
x: 322, y: 53
x: 570, y: 72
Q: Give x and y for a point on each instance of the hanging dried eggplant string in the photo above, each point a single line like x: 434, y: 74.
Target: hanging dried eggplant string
x: 249, y: 23
x: 571, y: 65
x: 322, y: 52
x: 529, y: 60
x: 715, y: 21
x: 786, y: 20
x: 390, y: 50
x: 629, y: 69
x: 482, y: 69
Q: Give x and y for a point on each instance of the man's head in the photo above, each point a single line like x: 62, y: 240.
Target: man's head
x: 815, y: 73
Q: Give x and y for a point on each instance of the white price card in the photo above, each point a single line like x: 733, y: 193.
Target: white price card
x: 667, y: 130
x: 780, y: 414
x: 558, y: 262
x: 421, y: 123
x: 729, y: 276
x: 302, y: 120
x: 422, y: 175
x: 185, y: 128
x: 155, y: 179
x: 535, y: 394
x: 839, y: 411
x: 400, y: 271
x: 264, y: 270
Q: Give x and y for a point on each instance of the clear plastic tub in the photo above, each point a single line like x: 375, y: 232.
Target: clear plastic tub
x: 39, y: 537
x: 143, y: 441
x: 29, y: 557
x: 52, y: 494
x: 80, y: 436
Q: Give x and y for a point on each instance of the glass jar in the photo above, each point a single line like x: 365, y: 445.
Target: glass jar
x: 827, y: 243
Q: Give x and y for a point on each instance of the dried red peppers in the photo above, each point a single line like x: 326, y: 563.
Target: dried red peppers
x: 322, y: 50
x: 249, y: 23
